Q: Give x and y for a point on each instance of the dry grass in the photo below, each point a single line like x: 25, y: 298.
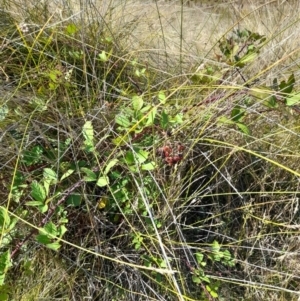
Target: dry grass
x: 240, y: 190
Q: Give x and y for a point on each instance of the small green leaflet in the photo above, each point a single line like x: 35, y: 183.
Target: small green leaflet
x: 137, y: 102
x: 90, y: 175
x: 4, y: 218
x: 103, y: 57
x: 149, y: 166
x: 88, y: 134
x: 103, y: 181
x: 67, y: 174
x: 162, y: 97
x: 71, y: 29
x: 109, y: 165
x: 293, y: 99
x: 151, y: 116
x: 48, y: 173
x: 38, y: 192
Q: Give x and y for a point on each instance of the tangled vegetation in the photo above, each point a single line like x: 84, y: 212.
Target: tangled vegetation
x: 129, y: 173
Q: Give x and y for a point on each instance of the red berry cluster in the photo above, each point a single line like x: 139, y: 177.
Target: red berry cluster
x: 172, y: 154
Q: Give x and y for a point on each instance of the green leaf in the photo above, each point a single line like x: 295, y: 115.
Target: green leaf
x: 225, y: 120
x: 90, y: 175
x: 141, y: 155
x: 74, y: 200
x: 162, y: 97
x: 212, y: 292
x: 54, y: 245
x: 237, y: 113
x: 287, y: 87
x: 215, y: 246
x: 62, y: 230
x: 71, y: 29
x: 38, y: 192
x: 88, y: 134
x: 164, y: 121
x: 293, y: 99
x: 34, y: 203
x: 119, y: 141
x: 129, y: 158
x: 5, y: 264
x: 103, y: 57
x: 47, y: 183
x: 43, y: 208
x: 137, y: 102
x: 205, y: 278
x: 149, y: 166
x: 50, y: 228
x: 109, y: 165
x: 247, y: 59
x: 4, y: 219
x: 103, y: 181
x: 271, y: 102
x: 48, y: 173
x: 151, y: 116
x: 196, y: 279
x: 67, y: 174
x: 43, y: 239
x: 244, y: 128
x: 199, y: 257
x: 123, y: 121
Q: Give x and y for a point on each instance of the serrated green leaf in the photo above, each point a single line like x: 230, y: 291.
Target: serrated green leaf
x: 88, y: 134
x: 48, y: 173
x: 137, y: 102
x: 5, y: 264
x: 67, y: 174
x: 110, y: 165
x: 123, y: 121
x: 215, y: 246
x: 43, y: 238
x: 103, y: 181
x: 50, y: 228
x: 38, y: 192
